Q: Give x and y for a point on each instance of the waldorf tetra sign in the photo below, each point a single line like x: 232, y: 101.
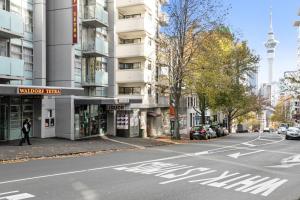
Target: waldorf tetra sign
x: 39, y: 91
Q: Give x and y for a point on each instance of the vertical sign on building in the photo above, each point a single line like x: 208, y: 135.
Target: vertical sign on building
x: 75, y: 21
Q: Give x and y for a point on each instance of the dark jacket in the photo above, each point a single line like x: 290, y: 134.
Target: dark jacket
x: 26, y: 127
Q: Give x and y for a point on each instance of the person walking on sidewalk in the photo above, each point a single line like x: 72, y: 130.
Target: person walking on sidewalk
x: 25, y: 130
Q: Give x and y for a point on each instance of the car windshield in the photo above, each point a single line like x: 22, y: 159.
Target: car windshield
x: 197, y: 128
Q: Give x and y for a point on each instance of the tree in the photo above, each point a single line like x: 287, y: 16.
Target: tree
x: 209, y: 77
x: 282, y: 111
x: 187, y: 18
x: 236, y: 102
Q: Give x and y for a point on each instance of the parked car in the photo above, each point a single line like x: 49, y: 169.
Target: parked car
x: 199, y: 132
x: 218, y: 129
x: 266, y: 130
x: 282, y: 130
x: 211, y: 133
x: 292, y: 133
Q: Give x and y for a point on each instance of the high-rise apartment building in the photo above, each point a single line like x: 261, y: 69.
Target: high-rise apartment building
x: 137, y: 29
x: 79, y: 68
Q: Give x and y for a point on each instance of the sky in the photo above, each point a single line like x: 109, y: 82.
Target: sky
x: 250, y: 18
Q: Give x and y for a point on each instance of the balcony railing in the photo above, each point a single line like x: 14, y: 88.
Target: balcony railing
x: 163, y: 19
x: 95, y: 16
x: 100, y: 78
x: 95, y: 48
x: 134, y: 76
x: 11, y: 68
x: 134, y: 25
x: 163, y: 101
x: 11, y: 25
x: 126, y: 3
x: 131, y: 50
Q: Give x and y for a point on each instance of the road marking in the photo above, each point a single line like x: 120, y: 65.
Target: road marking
x: 247, y: 144
x: 289, y: 162
x: 226, y: 180
x: 237, y: 155
x: 16, y: 191
x: 16, y: 196
x: 120, y: 165
x: 133, y: 145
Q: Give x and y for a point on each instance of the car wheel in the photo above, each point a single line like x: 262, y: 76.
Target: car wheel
x: 287, y: 137
x: 191, y: 137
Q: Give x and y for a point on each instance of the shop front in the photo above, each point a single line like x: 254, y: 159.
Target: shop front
x: 18, y: 103
x: 90, y: 120
x: 13, y: 111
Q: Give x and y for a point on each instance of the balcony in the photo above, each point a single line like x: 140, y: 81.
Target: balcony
x: 129, y: 3
x: 163, y: 101
x: 95, y: 16
x: 131, y: 50
x: 96, y: 48
x: 163, y: 19
x: 11, y: 68
x: 164, y: 2
x: 140, y: 24
x: 100, y: 79
x: 134, y: 76
x: 11, y: 25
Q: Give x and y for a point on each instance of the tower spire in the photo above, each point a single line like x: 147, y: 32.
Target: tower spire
x: 271, y: 20
x: 271, y: 46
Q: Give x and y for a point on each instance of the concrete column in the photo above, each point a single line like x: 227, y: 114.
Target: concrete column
x: 111, y: 123
x: 39, y: 42
x: 112, y: 43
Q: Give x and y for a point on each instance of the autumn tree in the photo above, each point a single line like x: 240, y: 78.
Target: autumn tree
x: 208, y: 75
x: 187, y: 18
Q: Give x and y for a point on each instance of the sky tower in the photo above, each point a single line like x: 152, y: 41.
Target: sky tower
x: 271, y: 45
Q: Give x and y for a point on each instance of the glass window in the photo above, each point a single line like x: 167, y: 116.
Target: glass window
x: 3, y: 48
x: 136, y: 65
x: 130, y: 41
x: 28, y: 21
x: 16, y: 8
x: 16, y: 51
x: 130, y: 90
x: 2, y: 5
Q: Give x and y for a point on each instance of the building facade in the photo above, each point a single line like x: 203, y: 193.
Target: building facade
x: 80, y: 68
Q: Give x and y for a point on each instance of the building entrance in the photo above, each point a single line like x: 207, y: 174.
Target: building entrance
x: 3, y: 122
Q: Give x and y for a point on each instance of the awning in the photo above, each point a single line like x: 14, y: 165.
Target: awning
x: 83, y: 100
x: 153, y: 114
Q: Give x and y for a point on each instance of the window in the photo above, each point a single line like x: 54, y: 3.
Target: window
x: 15, y: 8
x: 149, y: 64
x: 131, y: 41
x: 130, y: 90
x: 149, y: 91
x: 129, y: 16
x: 28, y: 21
x: 136, y: 65
x: 28, y: 58
x: 3, y: 48
x: 16, y: 51
x: 2, y: 5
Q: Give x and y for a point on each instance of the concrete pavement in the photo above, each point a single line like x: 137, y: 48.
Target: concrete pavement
x: 55, y: 147
x: 236, y: 167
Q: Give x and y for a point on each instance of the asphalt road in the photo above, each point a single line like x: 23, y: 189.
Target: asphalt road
x: 236, y: 167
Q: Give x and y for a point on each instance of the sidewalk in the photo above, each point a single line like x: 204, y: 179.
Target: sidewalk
x: 55, y: 147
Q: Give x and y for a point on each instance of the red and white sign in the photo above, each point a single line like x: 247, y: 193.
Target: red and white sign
x: 75, y: 21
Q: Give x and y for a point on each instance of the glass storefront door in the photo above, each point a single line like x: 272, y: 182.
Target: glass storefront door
x: 3, y: 122
x: 90, y: 120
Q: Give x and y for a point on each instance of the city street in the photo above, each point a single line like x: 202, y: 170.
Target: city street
x: 239, y: 166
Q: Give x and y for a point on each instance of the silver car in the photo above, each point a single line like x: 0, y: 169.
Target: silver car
x: 292, y: 132
x: 282, y: 130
